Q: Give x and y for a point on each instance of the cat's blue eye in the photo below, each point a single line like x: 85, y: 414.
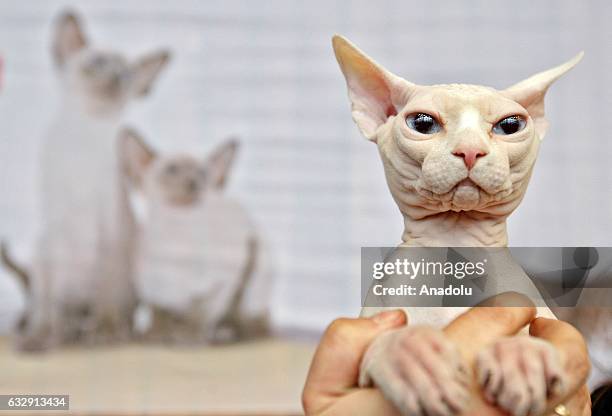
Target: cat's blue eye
x: 423, y: 123
x: 509, y: 125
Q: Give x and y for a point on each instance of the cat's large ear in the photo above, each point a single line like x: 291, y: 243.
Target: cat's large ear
x: 146, y: 70
x: 219, y: 163
x: 68, y: 37
x: 530, y: 92
x: 375, y: 93
x: 135, y: 155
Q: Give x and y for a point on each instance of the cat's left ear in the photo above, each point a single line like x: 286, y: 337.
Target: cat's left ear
x: 530, y: 92
x: 135, y: 155
x: 146, y: 70
x: 375, y: 93
x: 219, y: 163
x: 69, y: 37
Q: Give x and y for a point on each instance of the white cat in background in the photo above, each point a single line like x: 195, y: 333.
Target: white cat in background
x: 201, y: 267
x: 79, y: 287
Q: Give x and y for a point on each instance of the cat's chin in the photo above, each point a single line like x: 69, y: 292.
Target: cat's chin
x: 464, y: 196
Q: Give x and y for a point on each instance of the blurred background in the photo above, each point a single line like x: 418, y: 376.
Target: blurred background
x: 265, y: 72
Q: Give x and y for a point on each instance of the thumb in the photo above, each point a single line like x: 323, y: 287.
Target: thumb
x: 572, y: 350
x: 335, y: 366
x: 502, y: 315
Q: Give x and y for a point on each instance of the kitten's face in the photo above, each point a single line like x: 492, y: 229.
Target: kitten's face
x: 453, y: 147
x: 180, y: 180
x: 101, y: 81
x: 458, y: 147
x: 101, y: 76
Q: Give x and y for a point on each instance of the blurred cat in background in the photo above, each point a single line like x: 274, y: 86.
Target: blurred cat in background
x: 79, y: 288
x: 201, y: 267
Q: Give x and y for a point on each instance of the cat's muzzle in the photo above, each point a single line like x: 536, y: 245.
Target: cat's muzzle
x: 466, y: 195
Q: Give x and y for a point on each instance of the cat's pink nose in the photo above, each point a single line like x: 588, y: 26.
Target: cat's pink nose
x: 469, y: 155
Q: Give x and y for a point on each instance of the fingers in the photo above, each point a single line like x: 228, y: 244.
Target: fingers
x: 359, y: 402
x: 573, y: 360
x: 553, y: 370
x: 341, y: 349
x: 580, y: 403
x: 570, y: 344
x: 481, y: 325
x: 405, y: 400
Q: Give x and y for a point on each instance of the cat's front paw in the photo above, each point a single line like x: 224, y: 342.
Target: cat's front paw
x: 518, y: 374
x: 419, y: 370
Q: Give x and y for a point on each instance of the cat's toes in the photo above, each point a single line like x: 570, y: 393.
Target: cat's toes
x: 518, y: 374
x: 419, y: 371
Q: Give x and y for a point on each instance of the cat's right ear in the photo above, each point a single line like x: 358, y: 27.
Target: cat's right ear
x: 68, y: 37
x: 530, y: 93
x: 136, y: 155
x: 146, y: 70
x: 219, y: 163
x: 375, y: 93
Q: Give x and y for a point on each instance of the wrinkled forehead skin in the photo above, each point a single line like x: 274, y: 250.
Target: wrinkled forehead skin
x: 430, y: 173
x: 422, y: 173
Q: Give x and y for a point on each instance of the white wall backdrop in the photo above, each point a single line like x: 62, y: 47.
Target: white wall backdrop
x: 265, y: 71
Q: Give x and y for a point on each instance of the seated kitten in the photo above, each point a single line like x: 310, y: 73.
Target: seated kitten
x: 457, y: 160
x: 201, y: 266
x: 78, y: 286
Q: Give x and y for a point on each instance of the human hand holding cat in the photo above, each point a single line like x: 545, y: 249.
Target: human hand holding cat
x: 332, y: 380
x: 423, y: 370
x: 333, y: 392
x: 481, y: 329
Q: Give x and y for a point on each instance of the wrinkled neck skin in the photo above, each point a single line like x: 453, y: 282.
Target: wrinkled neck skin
x: 455, y: 229
x: 435, y: 223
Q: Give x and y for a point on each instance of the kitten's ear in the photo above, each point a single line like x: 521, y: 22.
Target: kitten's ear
x: 68, y: 38
x: 135, y: 155
x: 530, y: 92
x: 375, y: 93
x: 219, y: 163
x: 146, y: 70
